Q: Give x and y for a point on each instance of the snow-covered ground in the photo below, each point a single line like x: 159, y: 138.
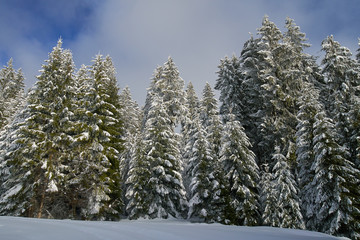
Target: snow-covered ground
x: 13, y: 228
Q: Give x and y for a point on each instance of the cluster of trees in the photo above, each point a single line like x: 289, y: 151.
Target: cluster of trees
x: 283, y: 149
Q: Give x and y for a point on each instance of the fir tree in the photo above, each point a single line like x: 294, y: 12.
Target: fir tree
x: 100, y: 142
x: 205, y: 189
x: 12, y: 96
x: 309, y: 107
x: 242, y: 173
x: 167, y: 194
x: 188, y: 130
x: 342, y: 84
x: 137, y: 182
x: 43, y: 140
x: 285, y: 190
x: 131, y: 117
x: 168, y: 84
x: 334, y: 181
x: 268, y: 200
x: 230, y: 85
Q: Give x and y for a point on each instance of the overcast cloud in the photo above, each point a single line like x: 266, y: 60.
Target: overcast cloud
x: 139, y: 35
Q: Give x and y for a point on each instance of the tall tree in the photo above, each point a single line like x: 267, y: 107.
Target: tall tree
x: 309, y: 107
x: 12, y: 96
x: 242, y: 173
x: 131, y: 117
x: 167, y: 193
x: 342, y: 84
x: 104, y: 135
x: 168, y: 84
x: 137, y: 182
x: 334, y: 182
x: 44, y: 139
x: 230, y: 85
x: 192, y: 105
x: 286, y: 194
x: 205, y: 187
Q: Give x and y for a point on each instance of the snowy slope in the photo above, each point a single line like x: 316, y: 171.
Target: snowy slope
x: 12, y: 228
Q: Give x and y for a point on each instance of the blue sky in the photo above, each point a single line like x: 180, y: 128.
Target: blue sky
x: 141, y: 34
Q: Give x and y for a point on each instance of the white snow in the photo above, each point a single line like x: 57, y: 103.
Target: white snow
x: 44, y: 229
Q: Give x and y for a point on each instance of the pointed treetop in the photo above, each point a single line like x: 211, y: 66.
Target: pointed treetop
x: 59, y: 43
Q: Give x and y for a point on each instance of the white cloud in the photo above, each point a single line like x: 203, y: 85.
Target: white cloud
x: 141, y: 34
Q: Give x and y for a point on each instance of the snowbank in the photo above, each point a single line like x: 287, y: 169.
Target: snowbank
x: 13, y: 228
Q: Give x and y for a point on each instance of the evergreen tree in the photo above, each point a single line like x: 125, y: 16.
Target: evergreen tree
x: 12, y: 96
x: 168, y: 84
x: 43, y: 139
x: 167, y: 194
x: 131, y: 117
x: 342, y: 88
x: 309, y: 107
x: 205, y: 189
x: 137, y: 182
x: 192, y: 105
x: 285, y: 192
x: 210, y: 119
x: 99, y: 141
x: 242, y: 173
x: 334, y: 182
x: 213, y: 127
x: 268, y: 200
x: 230, y: 85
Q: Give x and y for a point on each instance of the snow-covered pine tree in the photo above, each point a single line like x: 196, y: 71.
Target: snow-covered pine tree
x: 211, y: 121
x: 309, y: 107
x: 342, y: 82
x: 100, y: 141
x: 270, y: 116
x: 10, y: 174
x: 79, y: 177
x: 192, y: 105
x: 267, y: 198
x: 205, y: 188
x: 242, y: 173
x: 230, y: 85
x: 334, y: 182
x: 137, y: 182
x: 286, y: 194
x: 166, y: 196
x: 43, y: 140
x: 12, y: 96
x: 131, y: 117
x: 168, y: 84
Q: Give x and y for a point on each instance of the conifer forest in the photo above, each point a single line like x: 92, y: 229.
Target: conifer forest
x: 280, y: 147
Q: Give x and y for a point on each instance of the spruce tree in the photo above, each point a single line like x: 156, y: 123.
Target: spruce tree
x: 12, y: 96
x: 342, y: 90
x: 192, y: 104
x: 137, y: 182
x: 131, y: 117
x: 168, y: 84
x: 286, y: 194
x: 230, y: 85
x: 210, y: 119
x: 43, y: 141
x: 99, y: 141
x: 205, y: 189
x: 334, y: 181
x: 309, y: 107
x: 268, y: 200
x: 166, y: 196
x: 242, y: 173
